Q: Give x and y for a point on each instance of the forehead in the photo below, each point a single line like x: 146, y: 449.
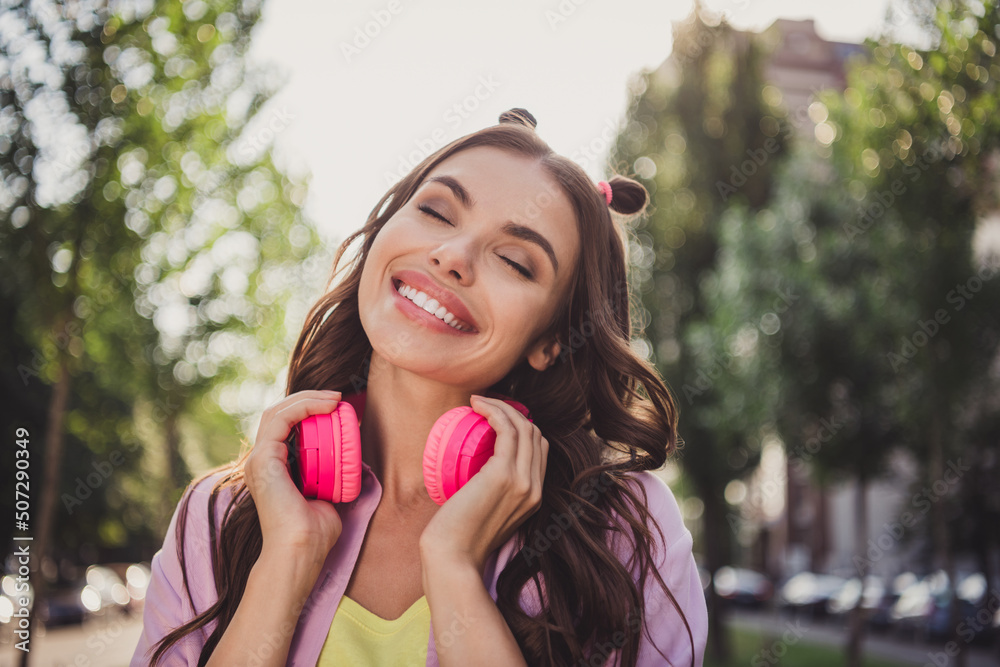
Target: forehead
x: 508, y: 186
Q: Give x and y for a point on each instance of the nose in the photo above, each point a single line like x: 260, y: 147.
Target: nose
x: 452, y: 259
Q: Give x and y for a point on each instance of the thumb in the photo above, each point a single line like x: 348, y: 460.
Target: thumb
x: 328, y: 514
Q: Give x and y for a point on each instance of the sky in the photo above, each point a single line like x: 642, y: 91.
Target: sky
x: 371, y: 87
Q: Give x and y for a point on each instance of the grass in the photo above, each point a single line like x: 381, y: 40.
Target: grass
x: 751, y: 649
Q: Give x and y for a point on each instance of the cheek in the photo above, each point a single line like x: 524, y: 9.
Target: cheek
x: 380, y: 244
x: 385, y: 247
x: 520, y: 315
x: 397, y: 237
x: 369, y: 276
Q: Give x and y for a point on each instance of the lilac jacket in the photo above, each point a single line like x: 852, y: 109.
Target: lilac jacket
x: 167, y: 605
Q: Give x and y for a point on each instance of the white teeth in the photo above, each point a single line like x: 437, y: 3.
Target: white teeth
x: 430, y: 305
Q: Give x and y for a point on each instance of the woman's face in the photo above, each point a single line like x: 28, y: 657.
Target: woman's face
x: 493, y: 240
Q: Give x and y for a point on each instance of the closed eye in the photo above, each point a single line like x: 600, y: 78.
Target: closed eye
x: 427, y: 210
x: 517, y: 267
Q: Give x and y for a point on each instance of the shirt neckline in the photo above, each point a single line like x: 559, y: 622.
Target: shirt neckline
x: 378, y: 624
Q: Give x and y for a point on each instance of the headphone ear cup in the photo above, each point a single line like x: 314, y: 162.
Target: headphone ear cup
x: 348, y: 481
x: 330, y: 455
x: 306, y: 442
x: 458, y: 446
x: 441, y: 455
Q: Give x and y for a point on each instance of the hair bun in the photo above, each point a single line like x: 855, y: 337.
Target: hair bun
x: 519, y: 116
x: 627, y: 195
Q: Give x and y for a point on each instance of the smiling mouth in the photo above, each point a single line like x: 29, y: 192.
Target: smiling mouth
x: 422, y: 300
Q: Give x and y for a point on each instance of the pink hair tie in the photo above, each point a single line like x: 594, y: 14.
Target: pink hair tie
x: 605, y: 187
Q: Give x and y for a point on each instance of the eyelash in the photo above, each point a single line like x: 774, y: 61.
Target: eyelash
x: 427, y: 210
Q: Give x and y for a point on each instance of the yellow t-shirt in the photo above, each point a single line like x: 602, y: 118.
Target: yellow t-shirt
x: 359, y: 638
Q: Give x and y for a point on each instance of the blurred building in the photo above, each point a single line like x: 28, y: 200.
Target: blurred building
x: 803, y: 63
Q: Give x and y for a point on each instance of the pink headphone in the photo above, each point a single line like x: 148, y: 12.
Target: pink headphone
x: 327, y: 449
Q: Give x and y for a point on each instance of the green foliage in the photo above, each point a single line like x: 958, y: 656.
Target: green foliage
x: 152, y: 251
x: 692, y: 124
x: 813, y: 345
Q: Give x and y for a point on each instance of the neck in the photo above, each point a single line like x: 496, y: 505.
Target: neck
x: 400, y: 410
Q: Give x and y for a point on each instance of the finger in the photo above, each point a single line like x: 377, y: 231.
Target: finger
x: 268, y: 461
x: 505, y: 448
x: 266, y: 458
x: 526, y: 454
x: 538, y: 458
x: 277, y: 422
x: 271, y: 470
x: 522, y: 451
x: 545, y: 455
x: 301, y: 396
x: 520, y: 422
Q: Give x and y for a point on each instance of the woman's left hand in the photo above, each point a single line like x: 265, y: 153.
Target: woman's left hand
x: 484, y: 513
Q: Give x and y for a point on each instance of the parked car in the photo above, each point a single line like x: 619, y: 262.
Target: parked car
x: 924, y: 609
x: 105, y: 591
x: 809, y: 593
x: 921, y: 611
x: 98, y: 593
x: 978, y: 618
x: 137, y: 577
x: 846, y: 599
x: 881, y: 616
x: 743, y: 587
x: 65, y: 605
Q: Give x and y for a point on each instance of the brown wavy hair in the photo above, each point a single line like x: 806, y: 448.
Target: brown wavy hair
x: 604, y: 410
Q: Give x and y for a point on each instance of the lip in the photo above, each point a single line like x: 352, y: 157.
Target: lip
x: 444, y: 297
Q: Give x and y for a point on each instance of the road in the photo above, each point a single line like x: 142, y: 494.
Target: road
x: 98, y: 643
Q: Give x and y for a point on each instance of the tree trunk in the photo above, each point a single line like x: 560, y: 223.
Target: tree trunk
x: 821, y: 550
x: 942, y: 537
x: 856, y: 620
x: 176, y: 472
x: 50, y: 488
x: 715, y: 525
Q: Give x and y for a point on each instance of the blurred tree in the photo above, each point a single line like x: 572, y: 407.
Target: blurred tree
x: 835, y: 408
x: 150, y: 251
x: 694, y: 138
x: 918, y: 139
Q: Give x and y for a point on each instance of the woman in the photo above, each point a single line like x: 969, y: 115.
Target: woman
x: 563, y: 550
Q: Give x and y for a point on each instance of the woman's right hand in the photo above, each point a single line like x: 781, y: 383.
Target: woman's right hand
x: 290, y: 524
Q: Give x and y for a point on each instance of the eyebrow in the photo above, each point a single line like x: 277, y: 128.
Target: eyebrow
x: 509, y: 228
